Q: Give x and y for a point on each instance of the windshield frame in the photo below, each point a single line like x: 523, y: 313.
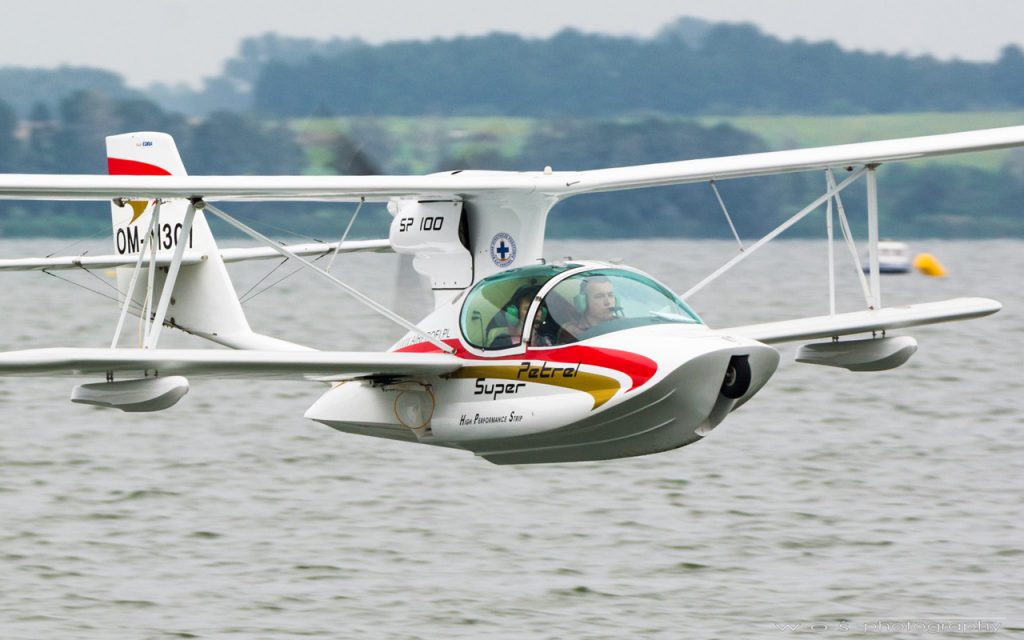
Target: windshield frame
x: 542, y: 296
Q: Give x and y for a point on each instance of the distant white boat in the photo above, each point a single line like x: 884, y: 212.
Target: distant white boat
x: 893, y: 257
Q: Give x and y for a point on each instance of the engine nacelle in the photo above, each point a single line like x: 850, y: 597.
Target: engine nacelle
x: 431, y: 231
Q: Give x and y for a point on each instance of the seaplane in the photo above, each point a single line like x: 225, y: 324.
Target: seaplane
x: 523, y: 359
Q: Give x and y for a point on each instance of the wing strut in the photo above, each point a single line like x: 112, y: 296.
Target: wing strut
x: 172, y: 277
x: 146, y: 240
x: 844, y: 226
x: 344, y: 235
x: 376, y: 306
x: 153, y: 321
x: 147, y: 306
x: 829, y: 193
x: 876, y: 282
x: 728, y: 219
x: 830, y: 234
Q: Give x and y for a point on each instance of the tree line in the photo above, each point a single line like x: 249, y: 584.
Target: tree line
x: 689, y: 68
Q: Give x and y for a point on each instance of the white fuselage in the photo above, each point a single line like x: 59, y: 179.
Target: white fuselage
x: 626, y: 393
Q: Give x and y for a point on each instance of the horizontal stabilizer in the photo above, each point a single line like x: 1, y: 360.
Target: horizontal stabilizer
x: 308, y: 250
x: 888, y: 318
x: 163, y: 259
x: 195, y: 363
x: 57, y: 263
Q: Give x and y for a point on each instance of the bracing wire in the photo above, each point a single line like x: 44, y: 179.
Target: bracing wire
x: 344, y: 235
x: 90, y: 289
x: 78, y: 242
x: 281, y: 279
x: 242, y: 297
x: 105, y: 283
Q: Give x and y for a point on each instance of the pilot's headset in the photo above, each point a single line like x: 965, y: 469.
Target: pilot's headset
x: 580, y: 300
x: 528, y: 291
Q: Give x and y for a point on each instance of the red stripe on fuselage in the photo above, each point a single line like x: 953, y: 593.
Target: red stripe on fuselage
x: 123, y: 167
x: 639, y: 368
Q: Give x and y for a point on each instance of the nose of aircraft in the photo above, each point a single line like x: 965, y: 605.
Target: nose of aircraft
x: 713, y: 374
x: 740, y: 368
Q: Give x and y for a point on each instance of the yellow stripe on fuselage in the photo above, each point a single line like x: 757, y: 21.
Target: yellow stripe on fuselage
x: 600, y: 387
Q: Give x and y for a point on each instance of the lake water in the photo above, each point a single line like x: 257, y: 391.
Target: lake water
x: 837, y: 504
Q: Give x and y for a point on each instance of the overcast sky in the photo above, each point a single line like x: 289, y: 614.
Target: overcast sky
x: 182, y: 41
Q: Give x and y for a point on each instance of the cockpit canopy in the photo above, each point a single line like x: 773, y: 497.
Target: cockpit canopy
x: 583, y: 303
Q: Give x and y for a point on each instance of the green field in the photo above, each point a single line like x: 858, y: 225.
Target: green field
x: 420, y: 142
x: 786, y: 132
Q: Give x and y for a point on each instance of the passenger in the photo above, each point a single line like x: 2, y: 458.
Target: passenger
x: 521, y: 301
x: 506, y: 328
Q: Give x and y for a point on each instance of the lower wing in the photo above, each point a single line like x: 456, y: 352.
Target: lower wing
x: 280, y: 365
x: 884, y: 319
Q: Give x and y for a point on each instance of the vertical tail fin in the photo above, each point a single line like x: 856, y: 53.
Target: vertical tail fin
x: 204, y: 301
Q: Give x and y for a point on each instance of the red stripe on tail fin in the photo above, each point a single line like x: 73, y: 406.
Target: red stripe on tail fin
x: 122, y: 167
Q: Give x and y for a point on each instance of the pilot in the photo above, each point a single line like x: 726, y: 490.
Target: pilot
x: 596, y: 304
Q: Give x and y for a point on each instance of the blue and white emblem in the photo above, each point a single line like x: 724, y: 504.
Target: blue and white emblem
x: 503, y: 249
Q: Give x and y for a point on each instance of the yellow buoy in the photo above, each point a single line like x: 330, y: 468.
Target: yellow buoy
x: 929, y: 265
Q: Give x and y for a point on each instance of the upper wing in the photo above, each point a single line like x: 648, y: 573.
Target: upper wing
x: 760, y: 164
x: 280, y: 365
x: 260, y: 188
x: 864, y: 321
x: 163, y: 258
x: 470, y: 184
